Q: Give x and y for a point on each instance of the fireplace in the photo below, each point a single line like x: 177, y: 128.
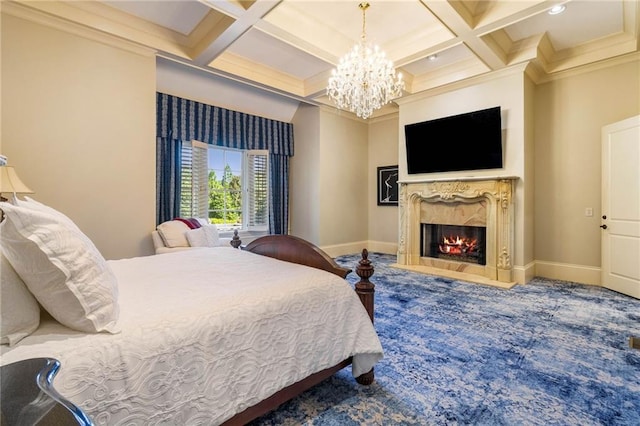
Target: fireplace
x: 454, y: 242
x: 463, y: 225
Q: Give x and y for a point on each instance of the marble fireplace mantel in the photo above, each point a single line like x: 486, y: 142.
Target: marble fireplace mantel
x: 489, y: 199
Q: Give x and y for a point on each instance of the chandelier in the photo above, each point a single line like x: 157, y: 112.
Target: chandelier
x: 364, y: 79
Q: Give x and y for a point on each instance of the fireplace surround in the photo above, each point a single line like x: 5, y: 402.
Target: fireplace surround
x: 483, y: 202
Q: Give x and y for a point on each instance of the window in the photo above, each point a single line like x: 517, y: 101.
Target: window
x: 228, y: 186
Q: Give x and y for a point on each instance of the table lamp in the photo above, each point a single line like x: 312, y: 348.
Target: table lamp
x: 11, y: 183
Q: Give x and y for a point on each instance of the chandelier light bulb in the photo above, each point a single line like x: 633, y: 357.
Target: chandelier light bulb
x: 364, y: 79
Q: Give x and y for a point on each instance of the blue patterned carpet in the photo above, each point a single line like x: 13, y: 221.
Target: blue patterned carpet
x: 547, y: 353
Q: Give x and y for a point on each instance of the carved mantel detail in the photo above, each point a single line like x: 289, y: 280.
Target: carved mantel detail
x: 504, y: 262
x: 448, y: 190
x: 493, y: 195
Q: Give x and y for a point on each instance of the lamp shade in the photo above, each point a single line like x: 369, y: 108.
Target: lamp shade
x: 11, y: 183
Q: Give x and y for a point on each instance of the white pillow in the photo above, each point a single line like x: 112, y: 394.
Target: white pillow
x: 203, y: 221
x: 173, y: 232
x: 211, y: 231
x: 205, y: 236
x: 32, y: 204
x: 19, y: 310
x: 196, y: 237
x: 62, y: 268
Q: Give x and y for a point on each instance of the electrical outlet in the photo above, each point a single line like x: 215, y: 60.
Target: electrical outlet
x: 588, y: 212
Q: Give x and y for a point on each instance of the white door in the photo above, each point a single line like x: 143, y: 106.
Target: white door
x: 621, y: 206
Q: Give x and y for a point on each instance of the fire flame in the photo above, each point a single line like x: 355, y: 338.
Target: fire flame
x: 458, y: 245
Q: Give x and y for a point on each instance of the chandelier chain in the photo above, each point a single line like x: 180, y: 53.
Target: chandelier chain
x: 364, y: 6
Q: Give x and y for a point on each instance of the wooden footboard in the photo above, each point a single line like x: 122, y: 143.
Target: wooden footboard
x: 296, y: 250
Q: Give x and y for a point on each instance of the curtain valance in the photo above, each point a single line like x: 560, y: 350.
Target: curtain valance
x: 186, y: 120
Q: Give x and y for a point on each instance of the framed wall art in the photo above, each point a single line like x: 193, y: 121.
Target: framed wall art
x: 388, y: 185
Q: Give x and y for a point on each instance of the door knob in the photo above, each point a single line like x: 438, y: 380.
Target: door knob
x: 603, y: 226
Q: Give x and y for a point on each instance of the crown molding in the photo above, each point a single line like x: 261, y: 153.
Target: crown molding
x: 471, y: 81
x: 386, y: 117
x: 39, y: 17
x: 341, y: 113
x: 583, y: 69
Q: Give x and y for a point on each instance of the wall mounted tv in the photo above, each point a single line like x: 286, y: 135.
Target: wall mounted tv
x: 470, y: 141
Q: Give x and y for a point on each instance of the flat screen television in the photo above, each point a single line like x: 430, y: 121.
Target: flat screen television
x: 470, y: 141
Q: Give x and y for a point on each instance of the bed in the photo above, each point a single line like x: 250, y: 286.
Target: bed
x: 211, y: 336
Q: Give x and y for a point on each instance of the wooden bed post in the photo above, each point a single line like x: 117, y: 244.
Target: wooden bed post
x: 364, y: 287
x: 365, y: 290
x: 235, y: 240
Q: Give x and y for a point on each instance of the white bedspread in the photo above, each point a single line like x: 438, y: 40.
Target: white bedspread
x: 205, y: 334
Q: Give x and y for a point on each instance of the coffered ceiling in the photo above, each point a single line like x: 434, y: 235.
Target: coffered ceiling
x: 290, y: 46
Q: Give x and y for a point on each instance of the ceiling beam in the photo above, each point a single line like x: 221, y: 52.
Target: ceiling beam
x: 470, y: 29
x: 243, y: 23
x: 461, y: 25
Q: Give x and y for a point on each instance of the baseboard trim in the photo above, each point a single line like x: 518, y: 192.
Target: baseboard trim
x: 568, y: 272
x: 342, y: 249
x: 524, y: 274
x: 352, y: 248
x: 383, y: 247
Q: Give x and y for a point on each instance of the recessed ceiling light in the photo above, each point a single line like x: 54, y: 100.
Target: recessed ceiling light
x: 432, y: 57
x: 557, y: 9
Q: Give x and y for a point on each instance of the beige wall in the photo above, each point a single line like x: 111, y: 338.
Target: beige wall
x: 78, y: 123
x: 528, y: 176
x: 383, y: 151
x: 328, y: 186
x: 570, y: 113
x: 343, y: 181
x: 333, y: 181
x: 304, y: 183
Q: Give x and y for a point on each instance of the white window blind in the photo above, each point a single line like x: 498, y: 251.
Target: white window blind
x: 257, y: 189
x: 186, y: 183
x: 195, y: 180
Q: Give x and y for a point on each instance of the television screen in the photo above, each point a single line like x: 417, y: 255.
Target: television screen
x: 470, y: 141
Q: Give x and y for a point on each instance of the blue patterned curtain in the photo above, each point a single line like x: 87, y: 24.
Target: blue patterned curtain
x: 180, y: 119
x: 167, y: 179
x: 278, y: 194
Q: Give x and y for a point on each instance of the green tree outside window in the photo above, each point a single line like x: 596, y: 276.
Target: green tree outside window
x: 225, y: 198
